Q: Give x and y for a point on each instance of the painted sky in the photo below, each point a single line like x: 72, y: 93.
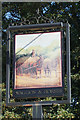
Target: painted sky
x: 42, y: 39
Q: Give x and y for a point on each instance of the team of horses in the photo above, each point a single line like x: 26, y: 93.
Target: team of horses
x: 35, y: 65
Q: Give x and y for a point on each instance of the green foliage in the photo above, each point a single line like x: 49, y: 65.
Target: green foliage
x: 58, y: 112
x: 8, y: 114
x: 62, y: 113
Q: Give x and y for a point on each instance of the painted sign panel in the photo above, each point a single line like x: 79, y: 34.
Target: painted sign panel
x: 38, y: 62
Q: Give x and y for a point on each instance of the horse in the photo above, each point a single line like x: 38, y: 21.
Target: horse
x: 47, y: 67
x: 55, y: 64
x: 32, y: 66
x: 36, y: 67
x: 39, y: 64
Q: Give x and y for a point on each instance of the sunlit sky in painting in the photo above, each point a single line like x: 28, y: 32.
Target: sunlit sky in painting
x: 42, y: 39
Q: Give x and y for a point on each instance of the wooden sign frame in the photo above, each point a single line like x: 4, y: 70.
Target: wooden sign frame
x: 55, y: 91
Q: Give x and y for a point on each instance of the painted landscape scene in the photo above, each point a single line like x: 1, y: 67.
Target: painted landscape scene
x: 38, y: 60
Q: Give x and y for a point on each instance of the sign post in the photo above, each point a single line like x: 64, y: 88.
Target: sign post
x: 68, y: 62
x: 37, y: 112
x: 37, y: 65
